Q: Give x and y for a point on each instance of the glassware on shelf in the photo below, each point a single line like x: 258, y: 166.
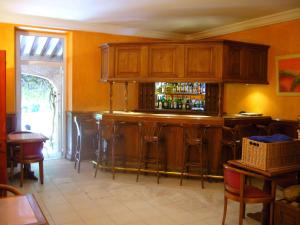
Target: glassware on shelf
x: 185, y: 96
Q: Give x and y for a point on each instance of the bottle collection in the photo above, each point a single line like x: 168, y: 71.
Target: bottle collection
x: 180, y: 96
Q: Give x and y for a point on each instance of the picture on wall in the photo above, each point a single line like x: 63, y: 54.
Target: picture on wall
x: 288, y: 75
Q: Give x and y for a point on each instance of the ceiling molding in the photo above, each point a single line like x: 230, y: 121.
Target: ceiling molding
x: 82, y: 26
x: 120, y: 30
x: 248, y: 24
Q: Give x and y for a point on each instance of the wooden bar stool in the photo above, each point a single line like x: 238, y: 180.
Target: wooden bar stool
x: 150, y: 148
x: 194, y: 137
x: 86, y: 128
x: 106, y: 143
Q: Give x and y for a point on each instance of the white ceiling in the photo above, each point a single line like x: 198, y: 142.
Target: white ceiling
x: 177, y: 18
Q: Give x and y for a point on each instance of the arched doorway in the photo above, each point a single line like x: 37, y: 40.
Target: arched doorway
x: 39, y: 110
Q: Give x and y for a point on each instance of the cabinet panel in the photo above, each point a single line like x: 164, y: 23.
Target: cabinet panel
x: 255, y: 65
x: 128, y: 61
x: 232, y: 63
x: 201, y: 61
x: 164, y: 61
x: 245, y: 63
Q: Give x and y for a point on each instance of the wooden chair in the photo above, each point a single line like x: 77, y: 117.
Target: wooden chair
x: 30, y: 152
x: 7, y: 188
x: 194, y: 138
x: 237, y: 190
x: 151, y: 151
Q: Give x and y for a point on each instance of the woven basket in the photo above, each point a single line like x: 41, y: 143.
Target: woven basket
x: 266, y: 156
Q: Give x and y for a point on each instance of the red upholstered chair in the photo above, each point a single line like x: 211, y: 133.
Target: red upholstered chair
x: 29, y: 152
x: 237, y: 190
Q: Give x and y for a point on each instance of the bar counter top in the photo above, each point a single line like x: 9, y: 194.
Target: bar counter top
x: 166, y: 118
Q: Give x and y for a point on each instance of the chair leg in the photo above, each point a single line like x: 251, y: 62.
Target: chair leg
x: 41, y: 171
x: 242, y: 212
x: 11, y: 169
x: 22, y: 174
x: 79, y: 158
x: 225, y: 210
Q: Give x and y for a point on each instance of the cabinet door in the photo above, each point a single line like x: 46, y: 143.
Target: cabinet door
x: 255, y: 64
x: 123, y: 62
x: 232, y: 63
x: 165, y: 61
x: 3, y: 173
x: 202, y: 61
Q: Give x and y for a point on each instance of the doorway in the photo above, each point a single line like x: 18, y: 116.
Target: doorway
x: 40, y: 88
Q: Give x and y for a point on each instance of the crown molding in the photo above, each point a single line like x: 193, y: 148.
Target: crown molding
x: 129, y: 31
x: 246, y: 25
x: 83, y: 26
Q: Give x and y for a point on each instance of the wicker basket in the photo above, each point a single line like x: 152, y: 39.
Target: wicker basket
x: 266, y: 156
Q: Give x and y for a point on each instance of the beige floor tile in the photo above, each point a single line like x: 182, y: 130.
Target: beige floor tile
x: 69, y: 198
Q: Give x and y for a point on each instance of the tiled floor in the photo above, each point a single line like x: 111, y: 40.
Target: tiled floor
x: 69, y: 198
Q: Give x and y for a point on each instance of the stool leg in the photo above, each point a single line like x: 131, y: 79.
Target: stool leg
x: 183, y: 166
x: 98, y: 158
x: 201, y: 164
x: 113, y: 160
x: 157, y: 162
x: 140, y: 162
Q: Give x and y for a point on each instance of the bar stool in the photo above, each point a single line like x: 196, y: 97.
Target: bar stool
x: 86, y: 128
x: 194, y: 137
x: 150, y: 139
x: 106, y: 143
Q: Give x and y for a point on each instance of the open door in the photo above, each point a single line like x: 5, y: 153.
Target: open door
x: 3, y: 167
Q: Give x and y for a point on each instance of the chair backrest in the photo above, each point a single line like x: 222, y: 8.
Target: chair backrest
x: 150, y: 130
x: 7, y: 188
x: 232, y: 179
x: 77, y: 125
x: 247, y: 130
x: 32, y: 150
x: 107, y: 129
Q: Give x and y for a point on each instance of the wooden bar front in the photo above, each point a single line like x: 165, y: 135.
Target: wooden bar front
x: 172, y: 135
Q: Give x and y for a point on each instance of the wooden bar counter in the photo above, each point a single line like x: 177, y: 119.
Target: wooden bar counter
x: 172, y: 135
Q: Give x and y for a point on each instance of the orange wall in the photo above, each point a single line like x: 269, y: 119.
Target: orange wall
x: 87, y: 92
x: 7, y: 43
x: 84, y: 91
x: 284, y: 39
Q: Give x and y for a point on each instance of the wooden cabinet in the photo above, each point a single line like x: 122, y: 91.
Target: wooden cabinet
x: 244, y: 62
x: 3, y: 171
x: 122, y: 62
x: 204, y: 61
x: 165, y: 61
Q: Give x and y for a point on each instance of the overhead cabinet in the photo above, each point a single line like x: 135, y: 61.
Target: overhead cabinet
x: 209, y: 61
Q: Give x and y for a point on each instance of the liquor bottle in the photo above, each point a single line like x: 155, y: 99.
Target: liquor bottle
x: 187, y: 104
x: 163, y: 102
x: 175, y: 103
x: 157, y: 100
